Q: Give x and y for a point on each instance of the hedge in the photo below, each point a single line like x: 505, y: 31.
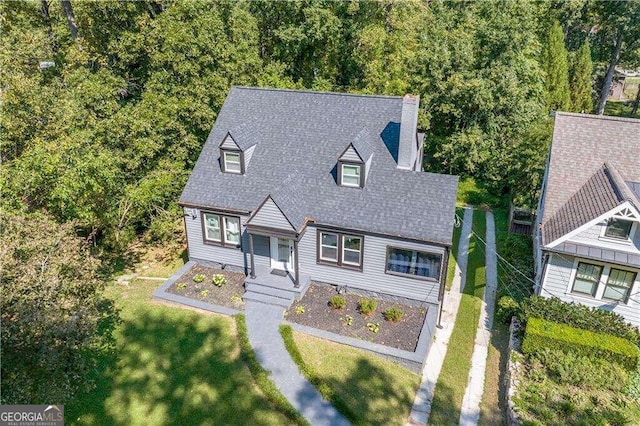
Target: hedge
x: 580, y: 316
x: 541, y: 334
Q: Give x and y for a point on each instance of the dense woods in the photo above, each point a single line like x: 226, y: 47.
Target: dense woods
x: 106, y: 105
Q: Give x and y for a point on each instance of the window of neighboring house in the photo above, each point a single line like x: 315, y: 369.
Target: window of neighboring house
x: 232, y: 162
x: 221, y: 229
x: 413, y: 263
x: 587, y: 278
x: 340, y: 249
x: 619, y: 285
x: 351, y: 175
x: 618, y: 229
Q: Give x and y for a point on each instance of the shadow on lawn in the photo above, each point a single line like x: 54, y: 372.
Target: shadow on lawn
x: 173, y: 369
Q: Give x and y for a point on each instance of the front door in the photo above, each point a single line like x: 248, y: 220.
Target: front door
x: 282, y: 254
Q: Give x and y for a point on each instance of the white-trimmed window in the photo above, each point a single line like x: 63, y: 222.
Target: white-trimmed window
x: 340, y: 249
x: 350, y: 175
x: 587, y: 278
x: 221, y: 229
x: 619, y: 285
x: 619, y: 229
x: 232, y: 162
x: 413, y: 263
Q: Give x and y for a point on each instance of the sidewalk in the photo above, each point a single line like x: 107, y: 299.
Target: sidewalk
x: 422, y: 403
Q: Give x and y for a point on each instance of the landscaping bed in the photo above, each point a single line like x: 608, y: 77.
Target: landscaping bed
x: 314, y: 310
x: 228, y: 294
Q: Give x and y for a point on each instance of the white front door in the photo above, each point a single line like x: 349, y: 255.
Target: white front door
x: 282, y: 254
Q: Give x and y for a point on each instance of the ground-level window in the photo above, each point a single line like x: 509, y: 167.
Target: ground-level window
x: 340, y: 249
x: 619, y: 285
x: 587, y: 278
x: 414, y: 263
x: 221, y: 229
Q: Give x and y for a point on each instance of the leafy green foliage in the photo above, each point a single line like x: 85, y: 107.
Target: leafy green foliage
x: 541, y: 334
x: 367, y: 306
x: 300, y: 309
x: 581, y: 316
x: 373, y: 327
x: 198, y: 278
x: 55, y: 320
x: 581, y: 85
x: 556, y: 67
x: 337, y: 302
x: 506, y: 309
x: 261, y: 376
x: 218, y: 280
x: 393, y: 314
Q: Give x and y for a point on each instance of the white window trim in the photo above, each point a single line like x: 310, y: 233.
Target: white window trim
x: 416, y: 251
x: 346, y: 262
x: 604, y: 278
x: 206, y: 232
x: 627, y: 241
x: 342, y: 174
x: 336, y: 248
x: 223, y: 229
x: 227, y: 162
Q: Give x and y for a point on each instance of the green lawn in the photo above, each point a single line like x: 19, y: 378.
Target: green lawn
x: 452, y: 381
x: 619, y: 109
x: 377, y: 392
x: 172, y: 366
x: 475, y: 193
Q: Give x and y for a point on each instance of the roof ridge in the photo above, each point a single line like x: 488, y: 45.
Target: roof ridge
x: 316, y: 92
x: 598, y: 117
x: 619, y: 184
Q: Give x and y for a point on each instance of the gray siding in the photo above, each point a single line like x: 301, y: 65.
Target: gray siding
x: 367, y: 167
x: 248, y: 153
x: 558, y: 280
x: 229, y: 143
x: 270, y: 215
x: 350, y: 155
x: 373, y: 276
x: 592, y: 237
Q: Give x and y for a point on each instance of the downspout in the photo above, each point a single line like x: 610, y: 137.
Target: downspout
x: 443, y: 281
x: 296, y: 263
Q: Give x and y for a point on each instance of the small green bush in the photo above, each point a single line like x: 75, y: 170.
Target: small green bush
x: 541, y: 334
x: 198, y: 278
x: 367, y: 306
x: 181, y: 286
x: 300, y: 310
x: 506, y: 309
x: 393, y: 314
x: 219, y: 280
x: 580, y: 316
x: 204, y: 293
x: 373, y: 327
x: 337, y: 302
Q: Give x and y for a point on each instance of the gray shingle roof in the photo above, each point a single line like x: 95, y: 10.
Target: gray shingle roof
x: 299, y: 136
x: 363, y: 144
x: 581, y: 144
x: 244, y: 135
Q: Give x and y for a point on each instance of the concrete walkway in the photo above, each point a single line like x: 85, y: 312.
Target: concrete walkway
x: 422, y: 403
x: 470, y: 413
x: 263, y: 322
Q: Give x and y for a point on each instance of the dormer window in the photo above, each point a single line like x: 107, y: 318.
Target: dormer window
x: 232, y: 161
x: 351, y: 175
x: 619, y: 229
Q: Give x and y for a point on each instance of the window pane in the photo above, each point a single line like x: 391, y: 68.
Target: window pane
x: 350, y: 175
x: 618, y: 228
x: 329, y: 253
x: 212, y: 227
x: 232, y: 162
x: 329, y: 239
x: 587, y: 287
x: 619, y: 284
x: 413, y: 262
x: 616, y: 293
x: 351, y: 257
x: 352, y: 243
x: 329, y: 246
x: 351, y: 248
x: 589, y: 272
x: 232, y: 230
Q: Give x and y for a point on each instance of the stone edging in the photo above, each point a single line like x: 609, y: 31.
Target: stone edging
x: 514, y: 367
x: 161, y: 294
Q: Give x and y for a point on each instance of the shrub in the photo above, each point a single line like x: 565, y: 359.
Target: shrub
x: 580, y: 316
x: 300, y: 310
x: 198, y: 278
x: 204, y: 293
x: 181, y: 286
x: 337, y: 302
x: 348, y: 319
x: 219, y: 280
x: 393, y: 314
x: 373, y: 327
x: 507, y: 308
x: 541, y: 334
x: 367, y: 306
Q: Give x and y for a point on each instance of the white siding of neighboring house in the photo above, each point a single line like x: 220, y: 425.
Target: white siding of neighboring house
x: 558, y: 281
x: 270, y: 216
x: 373, y: 276
x: 592, y: 237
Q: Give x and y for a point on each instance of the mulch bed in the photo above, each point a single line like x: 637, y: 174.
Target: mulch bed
x: 318, y: 314
x: 229, y: 295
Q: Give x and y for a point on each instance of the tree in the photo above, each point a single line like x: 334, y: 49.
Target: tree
x: 581, y: 100
x: 555, y: 65
x: 55, y: 321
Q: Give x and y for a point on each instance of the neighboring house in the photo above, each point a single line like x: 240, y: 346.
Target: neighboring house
x: 587, y: 242
x: 293, y: 186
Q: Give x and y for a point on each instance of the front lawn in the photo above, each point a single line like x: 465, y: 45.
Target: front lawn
x: 172, y: 366
x: 375, y: 391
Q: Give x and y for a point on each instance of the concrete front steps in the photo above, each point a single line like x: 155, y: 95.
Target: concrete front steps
x: 274, y: 292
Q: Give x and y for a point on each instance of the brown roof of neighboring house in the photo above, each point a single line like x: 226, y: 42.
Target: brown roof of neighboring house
x: 581, y: 144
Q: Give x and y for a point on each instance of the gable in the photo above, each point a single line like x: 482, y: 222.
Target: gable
x: 350, y: 154
x: 229, y: 143
x: 269, y: 215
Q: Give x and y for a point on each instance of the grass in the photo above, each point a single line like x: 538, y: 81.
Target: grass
x: 475, y: 193
x: 172, y: 366
x: 451, y: 267
x: 618, y: 109
x: 365, y: 388
x: 452, y: 382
